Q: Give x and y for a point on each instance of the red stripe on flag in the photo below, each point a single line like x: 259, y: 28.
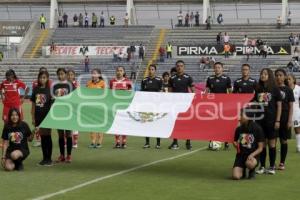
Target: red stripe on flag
x: 211, y: 117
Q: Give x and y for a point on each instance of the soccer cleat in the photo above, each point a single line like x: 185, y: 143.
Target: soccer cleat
x: 281, y: 166
x: 19, y: 167
x: 48, y: 163
x: 146, y: 146
x: 61, y: 159
x: 261, y: 170
x: 188, y: 146
x: 271, y: 170
x: 75, y: 146
x: 251, y: 174
x: 226, y: 146
x: 157, y: 146
x: 98, y: 146
x: 174, y: 146
x: 244, y: 173
x: 117, y: 146
x: 69, y: 159
x: 124, y: 146
x: 92, y: 145
x: 42, y: 163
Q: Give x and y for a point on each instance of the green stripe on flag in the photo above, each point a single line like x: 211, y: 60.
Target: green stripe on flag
x: 89, y: 110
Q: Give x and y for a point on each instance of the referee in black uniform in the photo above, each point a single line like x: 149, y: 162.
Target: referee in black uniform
x: 219, y: 83
x: 245, y: 84
x: 181, y: 83
x: 152, y: 83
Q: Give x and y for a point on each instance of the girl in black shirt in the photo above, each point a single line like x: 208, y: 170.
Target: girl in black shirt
x: 41, y: 104
x: 268, y: 97
x: 15, y: 135
x: 286, y: 120
x: 249, y: 142
x: 61, y: 88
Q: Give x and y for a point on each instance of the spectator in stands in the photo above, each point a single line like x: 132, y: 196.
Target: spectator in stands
x: 121, y: 56
x: 112, y: 20
x: 220, y: 19
x: 80, y: 20
x: 126, y: 20
x: 86, y: 20
x: 245, y: 41
x: 212, y: 62
x: 52, y: 48
x: 43, y: 21
x: 296, y: 39
x: 192, y: 17
x: 86, y: 64
x: 279, y: 22
x: 169, y: 50
x: 296, y: 53
x: 253, y: 43
x: 293, y: 65
x: 226, y: 50
x: 219, y: 37
x: 1, y: 56
x: 60, y: 21
x: 65, y: 20
x: 226, y: 38
x: 166, y: 83
x: 75, y: 20
x: 186, y: 20
x: 289, y: 18
x: 248, y: 51
x: 259, y: 42
x: 233, y: 50
x: 292, y: 39
x: 208, y: 23
x: 128, y: 51
x: 115, y: 54
x: 197, y: 17
x: 204, y: 63
x: 173, y: 71
x: 132, y: 50
x: 162, y: 52
x: 180, y: 18
x: 133, y: 68
x: 94, y: 20
x: 102, y: 19
x: 141, y: 51
x: 265, y: 50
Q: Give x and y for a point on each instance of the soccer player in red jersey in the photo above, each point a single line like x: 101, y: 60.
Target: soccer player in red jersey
x: 9, y: 90
x: 120, y: 82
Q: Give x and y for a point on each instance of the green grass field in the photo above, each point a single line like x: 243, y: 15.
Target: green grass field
x: 199, y: 174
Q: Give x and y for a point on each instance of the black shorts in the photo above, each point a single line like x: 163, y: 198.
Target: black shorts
x: 240, y: 160
x: 24, y: 152
x: 269, y: 130
x: 284, y: 132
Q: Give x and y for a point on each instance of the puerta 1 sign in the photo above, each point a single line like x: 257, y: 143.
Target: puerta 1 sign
x: 240, y: 50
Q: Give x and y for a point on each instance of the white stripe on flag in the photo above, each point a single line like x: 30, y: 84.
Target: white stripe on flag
x: 151, y: 114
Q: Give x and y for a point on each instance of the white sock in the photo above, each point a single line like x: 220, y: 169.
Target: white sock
x: 298, y: 141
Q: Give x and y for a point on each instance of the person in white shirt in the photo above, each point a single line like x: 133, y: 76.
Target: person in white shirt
x: 86, y: 20
x: 245, y: 40
x: 126, y: 20
x: 226, y: 38
x: 180, y: 18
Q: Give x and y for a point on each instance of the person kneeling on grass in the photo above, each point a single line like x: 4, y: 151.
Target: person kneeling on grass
x: 16, y: 135
x: 248, y: 141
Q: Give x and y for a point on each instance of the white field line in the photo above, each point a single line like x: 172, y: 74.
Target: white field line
x: 50, y: 195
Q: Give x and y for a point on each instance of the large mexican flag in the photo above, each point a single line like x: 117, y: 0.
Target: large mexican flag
x: 152, y: 114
